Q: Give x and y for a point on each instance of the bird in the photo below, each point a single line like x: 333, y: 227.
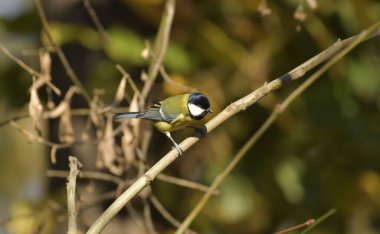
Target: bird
x: 174, y: 113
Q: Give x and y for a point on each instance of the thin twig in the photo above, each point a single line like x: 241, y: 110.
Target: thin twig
x: 184, y: 183
x: 227, y: 113
x: 94, y: 17
x: 69, y: 70
x: 165, y: 75
x: 160, y: 208
x: 33, y: 137
x: 319, y: 220
x: 135, y: 215
x: 71, y: 212
x: 171, y: 82
x: 13, y: 119
x: 98, y: 200
x: 94, y: 175
x: 74, y: 112
x: 148, y: 217
x: 299, y: 226
x: 157, y: 204
x: 12, y: 57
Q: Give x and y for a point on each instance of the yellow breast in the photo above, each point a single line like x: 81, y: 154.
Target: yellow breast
x: 180, y: 122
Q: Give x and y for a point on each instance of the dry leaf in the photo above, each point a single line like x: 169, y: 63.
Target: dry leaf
x: 53, y: 154
x: 312, y: 4
x: 128, y: 144
x: 95, y: 106
x: 84, y: 136
x: 129, y: 140
x: 58, y: 111
x: 145, y: 53
x: 106, y: 151
x: 144, y: 77
x: 50, y: 103
x: 64, y: 105
x: 94, y: 116
x: 45, y: 62
x: 263, y: 8
x: 45, y: 77
x: 35, y: 110
x: 121, y: 89
x: 134, y: 107
x: 300, y: 14
x: 66, y: 130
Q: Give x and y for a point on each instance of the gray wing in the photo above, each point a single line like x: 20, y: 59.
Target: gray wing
x: 156, y: 113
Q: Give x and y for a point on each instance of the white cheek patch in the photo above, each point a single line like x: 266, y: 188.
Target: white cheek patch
x: 195, y: 110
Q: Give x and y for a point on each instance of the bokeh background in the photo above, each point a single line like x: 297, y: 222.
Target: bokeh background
x: 322, y: 153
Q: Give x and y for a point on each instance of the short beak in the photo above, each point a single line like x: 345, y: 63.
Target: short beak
x: 209, y: 110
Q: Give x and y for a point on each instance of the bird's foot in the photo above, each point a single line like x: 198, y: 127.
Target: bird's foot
x: 200, y: 132
x: 179, y: 150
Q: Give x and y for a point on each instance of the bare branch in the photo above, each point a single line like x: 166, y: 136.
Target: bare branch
x: 227, y: 113
x: 72, y: 214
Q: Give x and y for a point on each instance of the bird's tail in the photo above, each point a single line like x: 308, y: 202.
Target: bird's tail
x: 128, y: 115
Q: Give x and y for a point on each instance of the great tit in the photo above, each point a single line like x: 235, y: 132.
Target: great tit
x: 174, y: 113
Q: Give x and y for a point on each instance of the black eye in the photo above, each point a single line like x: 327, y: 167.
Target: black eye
x: 199, y: 100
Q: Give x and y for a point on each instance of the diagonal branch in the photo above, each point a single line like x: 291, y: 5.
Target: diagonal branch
x: 227, y: 113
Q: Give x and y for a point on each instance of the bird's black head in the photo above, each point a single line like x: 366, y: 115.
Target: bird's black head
x: 198, y: 105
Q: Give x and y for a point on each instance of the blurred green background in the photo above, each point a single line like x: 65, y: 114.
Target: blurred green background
x: 322, y: 153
